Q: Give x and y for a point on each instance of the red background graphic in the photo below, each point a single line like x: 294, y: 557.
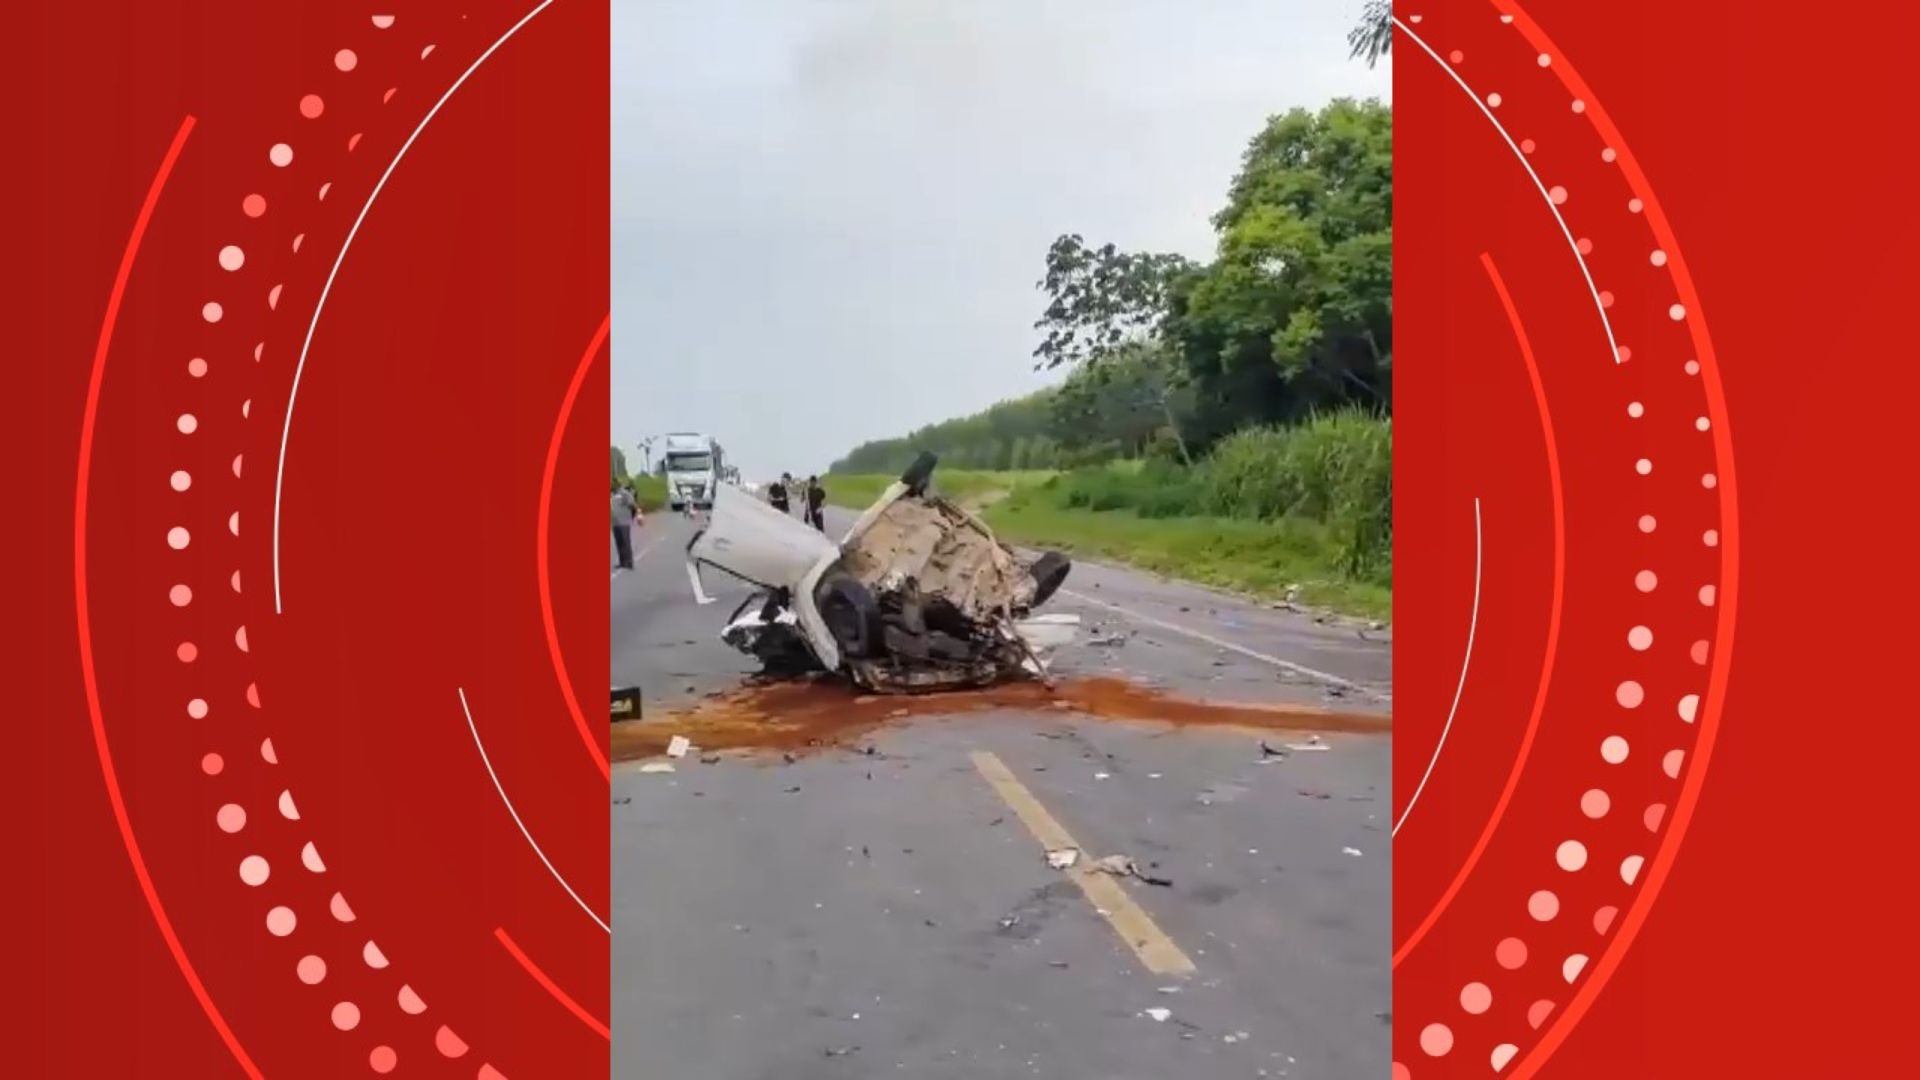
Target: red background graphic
x: 404, y: 693
x: 1761, y: 934
x: 336, y: 883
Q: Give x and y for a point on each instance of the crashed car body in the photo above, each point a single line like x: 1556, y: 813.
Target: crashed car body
x: 918, y: 595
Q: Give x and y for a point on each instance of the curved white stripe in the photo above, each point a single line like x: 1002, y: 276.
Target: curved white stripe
x: 1613, y: 346
x: 1473, y: 624
x: 320, y: 305
x: 516, y: 816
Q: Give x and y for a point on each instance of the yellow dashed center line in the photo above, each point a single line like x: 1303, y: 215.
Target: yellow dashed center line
x: 1109, y: 898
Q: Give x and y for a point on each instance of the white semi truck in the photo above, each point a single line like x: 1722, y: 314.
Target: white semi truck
x: 694, y: 468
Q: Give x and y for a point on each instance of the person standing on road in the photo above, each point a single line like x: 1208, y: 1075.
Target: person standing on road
x: 816, y: 503
x: 777, y: 494
x: 625, y: 512
x: 787, y: 485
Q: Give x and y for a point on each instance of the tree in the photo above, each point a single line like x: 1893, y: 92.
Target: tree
x: 619, y: 467
x: 1100, y: 299
x: 1372, y: 38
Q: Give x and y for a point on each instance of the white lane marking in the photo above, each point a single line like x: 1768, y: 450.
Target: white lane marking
x: 1612, y: 345
x: 1473, y: 624
x: 287, y: 428
x: 516, y: 815
x: 1197, y: 635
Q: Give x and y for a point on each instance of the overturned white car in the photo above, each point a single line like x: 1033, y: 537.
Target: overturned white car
x: 917, y: 596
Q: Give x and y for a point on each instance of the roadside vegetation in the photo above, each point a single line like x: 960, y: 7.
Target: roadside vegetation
x: 1228, y: 422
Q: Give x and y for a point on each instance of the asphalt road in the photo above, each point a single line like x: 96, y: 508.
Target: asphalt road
x: 895, y: 915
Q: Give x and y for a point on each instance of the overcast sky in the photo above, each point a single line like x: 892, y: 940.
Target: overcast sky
x: 829, y: 215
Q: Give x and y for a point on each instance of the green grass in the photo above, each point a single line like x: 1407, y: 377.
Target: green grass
x: 1258, y: 557
x: 650, y: 492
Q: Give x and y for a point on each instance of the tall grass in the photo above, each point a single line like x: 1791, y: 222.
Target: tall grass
x: 1335, y: 469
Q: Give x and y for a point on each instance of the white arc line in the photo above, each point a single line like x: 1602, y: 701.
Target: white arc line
x: 1605, y: 323
x: 516, y: 815
x: 1298, y: 669
x: 286, y: 429
x: 1473, y: 625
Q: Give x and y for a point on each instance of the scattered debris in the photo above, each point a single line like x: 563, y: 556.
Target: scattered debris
x: 995, y: 821
x: 1009, y: 922
x: 1309, y: 746
x: 1267, y: 751
x: 1063, y: 859
x: 656, y: 767
x: 840, y: 1051
x: 1124, y: 866
x: 899, y: 714
x: 679, y: 746
x: 710, y: 759
x: 1168, y: 989
x: 1159, y: 1016
x: 1102, y: 776
x: 1057, y: 963
x: 794, y: 790
x: 789, y: 758
x: 1110, y: 640
x: 1315, y: 794
x: 1354, y: 851
x: 623, y: 800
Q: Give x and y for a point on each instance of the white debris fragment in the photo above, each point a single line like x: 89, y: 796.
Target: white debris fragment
x: 1159, y: 1016
x: 1102, y: 776
x: 1063, y: 859
x: 1354, y: 851
x: 1308, y: 747
x: 679, y: 746
x: 657, y: 767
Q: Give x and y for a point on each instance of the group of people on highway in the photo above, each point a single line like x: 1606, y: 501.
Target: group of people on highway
x: 782, y: 493
x: 813, y: 499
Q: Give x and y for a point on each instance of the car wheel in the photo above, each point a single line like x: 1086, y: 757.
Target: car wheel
x: 919, y: 473
x: 1049, y: 573
x: 850, y: 613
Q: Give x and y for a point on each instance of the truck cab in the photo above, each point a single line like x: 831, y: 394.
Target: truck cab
x: 693, y: 470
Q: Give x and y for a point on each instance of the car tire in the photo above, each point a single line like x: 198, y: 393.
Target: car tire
x: 1049, y: 573
x: 919, y: 473
x: 851, y: 615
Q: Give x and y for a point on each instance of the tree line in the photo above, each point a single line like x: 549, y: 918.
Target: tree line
x: 1165, y: 357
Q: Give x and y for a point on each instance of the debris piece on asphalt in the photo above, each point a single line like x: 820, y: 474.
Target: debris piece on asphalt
x: 710, y: 759
x: 1307, y: 747
x: 1354, y: 851
x: 1267, y: 750
x: 870, y: 751
x: 678, y: 746
x: 789, y: 758
x: 1168, y: 989
x: 795, y: 790
x: 656, y: 767
x: 866, y: 699
x: 1315, y: 794
x: 1160, y: 1016
x: 1057, y: 963
x: 899, y: 713
x: 840, y: 1051
x: 1124, y: 866
x: 1063, y: 859
x: 1009, y: 922
x: 995, y: 821
x: 1109, y: 641
x: 1102, y: 776
x: 623, y: 800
